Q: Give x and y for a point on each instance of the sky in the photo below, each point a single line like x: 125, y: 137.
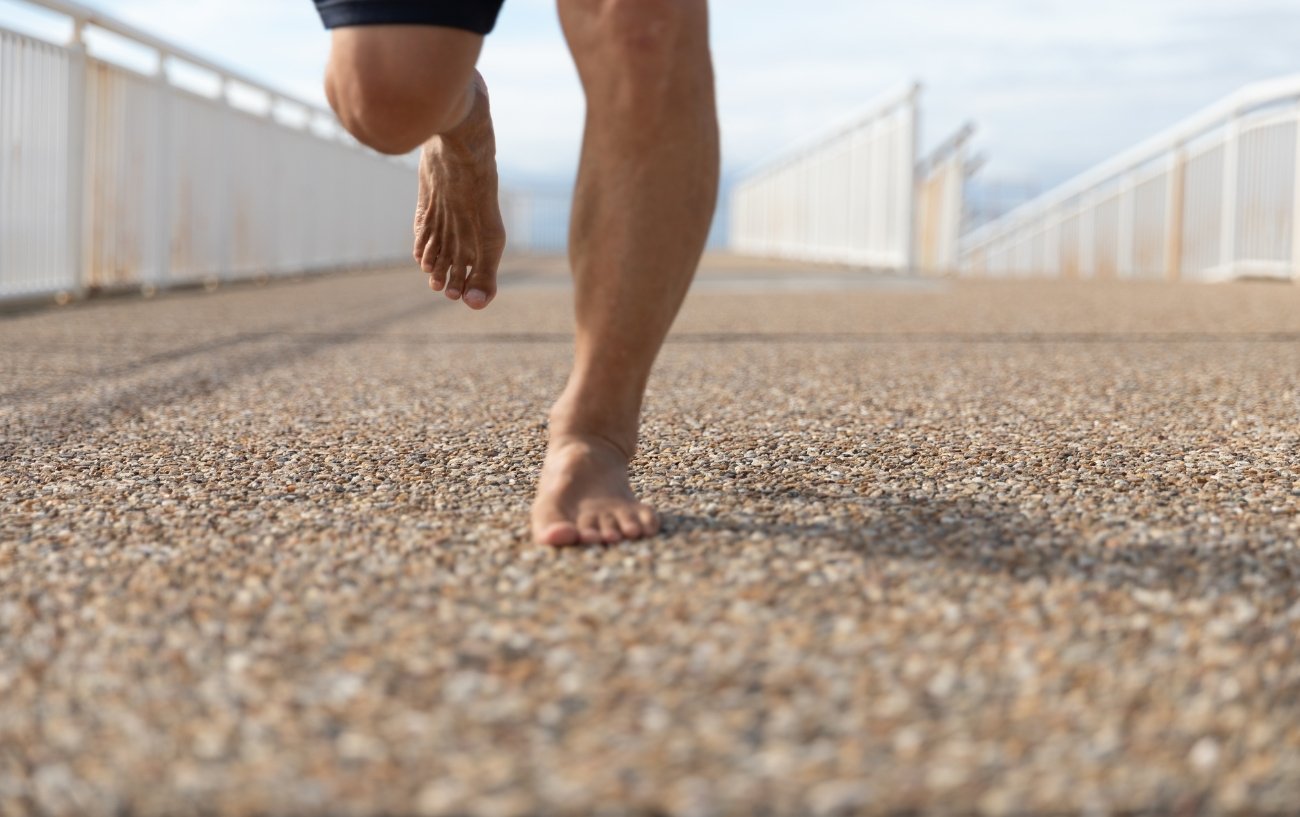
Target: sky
x: 1053, y: 86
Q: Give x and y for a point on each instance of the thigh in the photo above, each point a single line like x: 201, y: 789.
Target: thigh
x: 401, y: 71
x: 394, y: 60
x: 407, y: 42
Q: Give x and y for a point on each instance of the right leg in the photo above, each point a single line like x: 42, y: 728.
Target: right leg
x: 397, y: 87
x: 647, y: 184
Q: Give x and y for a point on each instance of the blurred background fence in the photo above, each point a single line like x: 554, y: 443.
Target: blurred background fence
x: 940, y: 204
x: 536, y: 219
x: 1214, y: 197
x: 112, y: 178
x: 860, y: 196
x: 167, y: 170
x: 841, y: 199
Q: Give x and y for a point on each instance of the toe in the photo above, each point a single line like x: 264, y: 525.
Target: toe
x: 435, y: 265
x: 455, y: 281
x: 609, y: 529
x: 434, y: 241
x: 456, y: 276
x: 551, y: 526
x: 557, y: 534
x: 428, y: 255
x: 477, y: 295
x: 629, y: 525
x: 649, y: 520
x: 589, y: 530
x: 482, y: 282
x: 442, y: 272
x: 421, y: 244
x: 423, y: 235
x: 423, y: 227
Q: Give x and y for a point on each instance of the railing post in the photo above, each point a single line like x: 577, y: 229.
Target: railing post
x: 857, y: 212
x: 818, y: 206
x: 77, y: 212
x: 1295, y: 211
x: 1231, y: 163
x: 226, y: 207
x: 955, y: 210
x: 1087, y: 237
x: 1127, y: 209
x: 1052, y: 247
x: 162, y: 195
x: 1175, y: 203
x: 913, y: 121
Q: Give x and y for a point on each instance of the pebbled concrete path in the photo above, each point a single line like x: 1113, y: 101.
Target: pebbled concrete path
x: 947, y: 547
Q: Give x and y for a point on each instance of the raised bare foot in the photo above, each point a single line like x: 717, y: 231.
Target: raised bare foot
x: 459, y: 236
x: 583, y: 496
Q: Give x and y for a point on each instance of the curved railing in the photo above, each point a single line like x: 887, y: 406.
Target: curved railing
x: 859, y: 196
x: 845, y: 198
x: 1215, y: 197
x: 114, y: 178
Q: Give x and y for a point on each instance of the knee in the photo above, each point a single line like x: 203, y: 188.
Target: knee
x: 640, y: 39
x: 386, y: 111
x: 640, y: 59
x: 646, y: 27
x: 394, y: 88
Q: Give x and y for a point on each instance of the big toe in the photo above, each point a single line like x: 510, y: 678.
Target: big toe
x: 477, y: 298
x: 552, y: 527
x: 558, y: 534
x: 480, y: 287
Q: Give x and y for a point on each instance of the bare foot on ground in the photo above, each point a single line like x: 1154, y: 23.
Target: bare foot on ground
x: 459, y: 235
x: 583, y: 496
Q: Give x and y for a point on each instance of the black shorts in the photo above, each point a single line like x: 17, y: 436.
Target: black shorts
x: 471, y: 15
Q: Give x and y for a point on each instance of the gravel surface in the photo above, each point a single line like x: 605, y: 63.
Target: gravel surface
x: 966, y: 547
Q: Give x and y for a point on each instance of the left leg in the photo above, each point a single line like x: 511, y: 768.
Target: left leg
x: 402, y: 75
x: 647, y: 185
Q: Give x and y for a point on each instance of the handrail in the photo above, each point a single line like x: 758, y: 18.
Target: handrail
x: 878, y: 108
x: 945, y: 149
x: 137, y: 173
x: 83, y: 16
x: 1249, y: 98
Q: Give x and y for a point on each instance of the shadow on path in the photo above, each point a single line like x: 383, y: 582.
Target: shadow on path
x: 52, y: 424
x: 1001, y: 540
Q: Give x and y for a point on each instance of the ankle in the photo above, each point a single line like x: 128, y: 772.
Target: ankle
x: 569, y: 425
x: 472, y: 132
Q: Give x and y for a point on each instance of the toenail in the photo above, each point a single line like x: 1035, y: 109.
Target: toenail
x: 476, y: 297
x: 453, y: 293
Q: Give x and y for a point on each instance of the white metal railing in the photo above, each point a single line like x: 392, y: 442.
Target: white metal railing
x: 940, y: 203
x: 1215, y: 197
x: 536, y: 219
x: 846, y: 198
x: 112, y: 178
x: 859, y: 196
